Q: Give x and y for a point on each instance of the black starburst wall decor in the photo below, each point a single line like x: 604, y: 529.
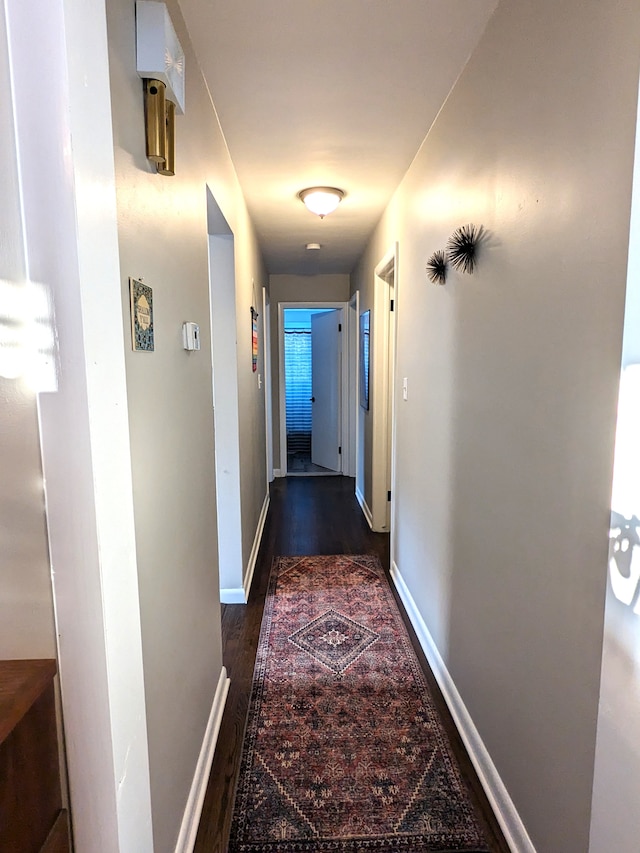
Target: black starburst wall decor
x: 437, y: 267
x: 462, y: 247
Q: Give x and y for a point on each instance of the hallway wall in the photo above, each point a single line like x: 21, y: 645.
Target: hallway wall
x: 296, y: 288
x: 162, y: 224
x: 504, y: 446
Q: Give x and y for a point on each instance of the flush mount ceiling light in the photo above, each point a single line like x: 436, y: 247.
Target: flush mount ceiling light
x: 321, y: 200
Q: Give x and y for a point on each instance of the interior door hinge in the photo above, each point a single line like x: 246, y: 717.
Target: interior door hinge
x: 392, y: 305
x: 389, y: 495
x: 339, y: 450
x: 339, y: 327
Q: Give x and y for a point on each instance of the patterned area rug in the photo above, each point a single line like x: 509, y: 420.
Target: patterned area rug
x: 344, y: 750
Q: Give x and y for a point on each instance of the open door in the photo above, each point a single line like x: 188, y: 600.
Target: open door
x: 326, y: 388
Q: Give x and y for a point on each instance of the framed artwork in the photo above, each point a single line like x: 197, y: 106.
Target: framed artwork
x: 141, y: 316
x: 254, y: 339
x: 365, y: 337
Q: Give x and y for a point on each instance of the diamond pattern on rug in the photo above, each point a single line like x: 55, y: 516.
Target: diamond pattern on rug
x: 334, y: 640
x: 344, y: 749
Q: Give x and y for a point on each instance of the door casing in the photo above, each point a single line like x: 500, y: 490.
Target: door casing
x: 384, y: 358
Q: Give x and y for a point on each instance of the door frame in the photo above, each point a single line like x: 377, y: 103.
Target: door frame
x: 384, y: 410
x: 268, y: 402
x: 224, y: 361
x: 353, y: 401
x: 344, y: 379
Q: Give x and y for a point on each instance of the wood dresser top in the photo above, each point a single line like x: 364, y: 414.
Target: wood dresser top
x: 21, y: 683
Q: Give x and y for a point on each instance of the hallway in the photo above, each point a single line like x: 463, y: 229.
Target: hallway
x: 308, y: 515
x: 505, y: 383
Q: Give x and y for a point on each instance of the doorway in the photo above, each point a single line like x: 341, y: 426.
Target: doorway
x: 222, y: 288
x: 313, y: 359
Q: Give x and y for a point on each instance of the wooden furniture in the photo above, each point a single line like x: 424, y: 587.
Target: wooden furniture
x: 31, y: 816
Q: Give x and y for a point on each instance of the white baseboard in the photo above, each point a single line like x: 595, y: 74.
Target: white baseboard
x: 365, y: 508
x: 248, y: 575
x: 278, y: 472
x: 240, y: 595
x: 505, y: 811
x: 232, y: 596
x: 193, y: 809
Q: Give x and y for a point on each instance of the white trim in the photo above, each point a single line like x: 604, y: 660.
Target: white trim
x: 268, y: 399
x: 282, y: 403
x: 382, y: 397
x: 248, y: 577
x: 233, y: 596
x: 240, y: 595
x: 226, y: 414
x: 193, y: 809
x: 364, y: 507
x: 393, y: 369
x: 345, y: 434
x: 278, y: 472
x: 504, y: 809
x: 353, y: 403
x: 386, y: 267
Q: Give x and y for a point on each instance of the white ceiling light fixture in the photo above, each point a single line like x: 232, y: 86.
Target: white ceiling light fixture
x: 321, y: 200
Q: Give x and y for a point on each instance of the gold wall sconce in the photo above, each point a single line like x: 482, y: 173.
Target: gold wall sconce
x: 160, y: 127
x: 169, y: 165
x: 160, y: 63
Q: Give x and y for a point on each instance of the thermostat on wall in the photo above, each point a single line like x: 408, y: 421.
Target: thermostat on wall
x: 191, y: 336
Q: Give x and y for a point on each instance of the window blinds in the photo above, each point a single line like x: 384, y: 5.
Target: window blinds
x: 297, y: 362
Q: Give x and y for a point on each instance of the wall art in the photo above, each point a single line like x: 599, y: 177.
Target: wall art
x: 462, y: 247
x: 254, y: 339
x: 141, y: 296
x: 365, y: 355
x: 437, y: 267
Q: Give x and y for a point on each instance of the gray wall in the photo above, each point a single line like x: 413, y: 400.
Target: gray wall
x: 296, y: 288
x: 504, y: 447
x: 163, y: 238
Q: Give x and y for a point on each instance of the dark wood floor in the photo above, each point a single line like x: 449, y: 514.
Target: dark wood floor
x: 308, y: 515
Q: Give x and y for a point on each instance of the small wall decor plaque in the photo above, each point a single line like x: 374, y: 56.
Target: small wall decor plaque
x: 141, y: 316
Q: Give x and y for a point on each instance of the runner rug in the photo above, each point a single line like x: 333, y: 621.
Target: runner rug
x: 344, y: 750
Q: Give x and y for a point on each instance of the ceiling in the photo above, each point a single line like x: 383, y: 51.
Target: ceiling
x: 327, y: 92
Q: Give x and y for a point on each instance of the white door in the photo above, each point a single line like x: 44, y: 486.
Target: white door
x: 326, y: 358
